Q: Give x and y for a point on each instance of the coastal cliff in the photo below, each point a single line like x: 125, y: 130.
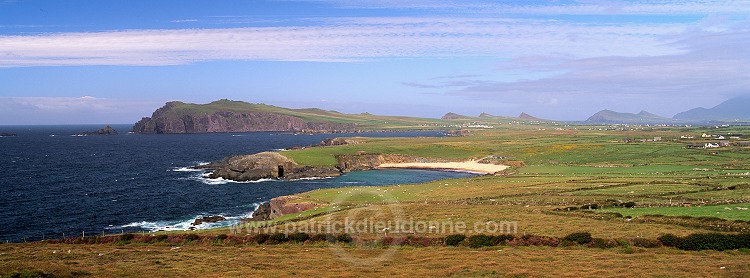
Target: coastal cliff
x: 231, y: 116
x: 265, y: 165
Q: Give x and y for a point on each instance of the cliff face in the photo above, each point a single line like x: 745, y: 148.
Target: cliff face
x: 178, y: 117
x: 358, y: 162
x: 266, y: 165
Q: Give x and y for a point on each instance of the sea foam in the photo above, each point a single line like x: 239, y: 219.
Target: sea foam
x: 187, y: 224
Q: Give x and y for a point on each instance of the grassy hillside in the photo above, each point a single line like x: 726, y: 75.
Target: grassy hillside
x: 364, y: 121
x: 642, y: 190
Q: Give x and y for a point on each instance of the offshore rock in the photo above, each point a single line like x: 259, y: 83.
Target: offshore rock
x: 107, y: 130
x: 208, y: 219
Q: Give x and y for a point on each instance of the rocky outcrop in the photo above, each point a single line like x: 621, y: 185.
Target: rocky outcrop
x: 280, y: 206
x: 208, y: 219
x: 363, y: 161
x: 107, y: 130
x: 228, y: 116
x: 330, y: 142
x: 271, y: 165
x: 265, y: 165
x: 262, y: 213
x: 289, y: 205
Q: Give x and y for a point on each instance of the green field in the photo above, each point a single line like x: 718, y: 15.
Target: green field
x: 728, y: 211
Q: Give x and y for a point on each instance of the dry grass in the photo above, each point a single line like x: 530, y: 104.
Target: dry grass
x: 323, y: 260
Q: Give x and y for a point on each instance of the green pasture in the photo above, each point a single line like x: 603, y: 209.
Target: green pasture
x: 728, y: 211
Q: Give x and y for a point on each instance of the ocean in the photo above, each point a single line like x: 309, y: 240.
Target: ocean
x: 55, y: 184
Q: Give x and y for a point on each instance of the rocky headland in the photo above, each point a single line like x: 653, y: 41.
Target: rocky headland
x: 234, y: 116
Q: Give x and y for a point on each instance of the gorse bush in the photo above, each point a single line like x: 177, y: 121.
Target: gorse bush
x: 323, y: 237
x: 669, y: 240
x: 714, y: 241
x: 454, y: 240
x: 602, y: 243
x: 345, y: 238
x: 261, y: 238
x: 477, y: 241
x: 580, y: 238
x: 192, y: 237
x: 299, y: 237
x: 645, y: 242
x: 278, y: 238
x: 127, y: 237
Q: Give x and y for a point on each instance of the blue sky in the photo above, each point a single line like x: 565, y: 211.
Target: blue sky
x: 116, y: 61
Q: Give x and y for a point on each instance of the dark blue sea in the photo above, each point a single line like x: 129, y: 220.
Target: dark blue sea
x: 54, y: 183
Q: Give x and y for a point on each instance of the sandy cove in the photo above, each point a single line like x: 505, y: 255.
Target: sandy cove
x: 470, y: 166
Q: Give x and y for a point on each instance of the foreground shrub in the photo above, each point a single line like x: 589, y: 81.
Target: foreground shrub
x: 261, y: 238
x: 669, y: 240
x: 454, y: 240
x: 323, y: 237
x: 531, y: 240
x: 415, y: 241
x: 161, y: 237
x: 127, y: 237
x: 590, y: 206
x: 714, y: 241
x: 602, y: 243
x: 192, y: 237
x: 299, y: 237
x: 580, y: 238
x: 645, y: 242
x: 277, y: 238
x: 477, y: 241
x: 345, y: 238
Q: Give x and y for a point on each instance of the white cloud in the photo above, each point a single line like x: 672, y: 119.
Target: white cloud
x: 351, y: 40
x: 579, y: 7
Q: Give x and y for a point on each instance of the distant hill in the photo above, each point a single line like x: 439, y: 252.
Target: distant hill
x: 737, y: 108
x: 454, y: 116
x: 528, y: 117
x: 238, y: 116
x: 609, y: 116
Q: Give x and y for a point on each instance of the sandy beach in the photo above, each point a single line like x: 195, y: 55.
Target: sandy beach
x: 470, y: 166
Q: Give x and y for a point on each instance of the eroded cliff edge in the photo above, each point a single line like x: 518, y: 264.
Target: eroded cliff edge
x: 231, y: 116
x: 273, y: 165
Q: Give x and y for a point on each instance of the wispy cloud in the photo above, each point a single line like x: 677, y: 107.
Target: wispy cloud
x: 714, y: 68
x: 365, y: 39
x: 576, y: 7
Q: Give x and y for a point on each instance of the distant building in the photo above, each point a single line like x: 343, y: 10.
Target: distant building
x: 711, y: 145
x: 704, y: 135
x: 724, y: 143
x: 657, y: 139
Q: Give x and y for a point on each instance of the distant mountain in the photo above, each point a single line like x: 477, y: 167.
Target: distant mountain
x: 454, y: 116
x: 528, y: 117
x: 609, y: 116
x: 737, y: 108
